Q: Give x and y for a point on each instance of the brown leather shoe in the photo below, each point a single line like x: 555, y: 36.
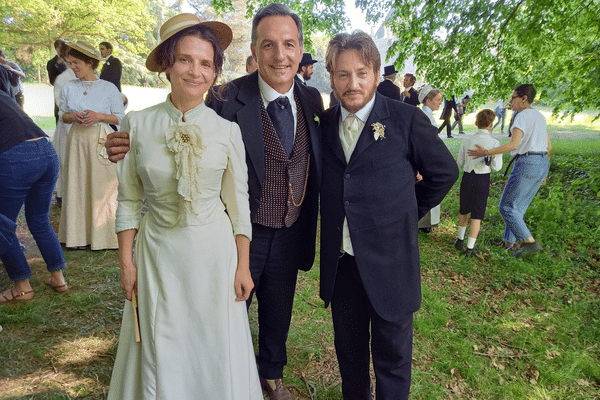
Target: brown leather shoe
x: 276, y: 389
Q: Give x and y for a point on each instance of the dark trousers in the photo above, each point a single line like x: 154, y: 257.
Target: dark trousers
x: 391, y: 342
x: 274, y: 268
x: 448, y: 126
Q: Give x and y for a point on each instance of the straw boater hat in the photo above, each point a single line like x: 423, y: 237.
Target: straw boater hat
x: 180, y: 22
x: 85, y: 48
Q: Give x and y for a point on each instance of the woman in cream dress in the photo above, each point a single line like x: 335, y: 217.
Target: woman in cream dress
x: 191, y: 266
x: 89, y: 194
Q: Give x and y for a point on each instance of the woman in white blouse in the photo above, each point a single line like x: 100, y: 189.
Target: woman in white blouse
x: 191, y: 269
x: 90, y: 104
x: 530, y: 146
x: 431, y: 99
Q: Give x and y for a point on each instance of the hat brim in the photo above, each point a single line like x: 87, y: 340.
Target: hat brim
x: 222, y: 31
x: 84, y: 50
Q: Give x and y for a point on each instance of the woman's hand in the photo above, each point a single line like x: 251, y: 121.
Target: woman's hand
x: 129, y: 280
x: 243, y: 283
x: 128, y: 268
x: 478, y: 152
x: 89, y: 117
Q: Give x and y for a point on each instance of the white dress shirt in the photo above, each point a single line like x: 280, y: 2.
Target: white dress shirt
x: 469, y: 164
x: 268, y: 94
x: 362, y: 115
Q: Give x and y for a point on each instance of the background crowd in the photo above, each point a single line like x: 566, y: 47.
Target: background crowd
x: 232, y: 186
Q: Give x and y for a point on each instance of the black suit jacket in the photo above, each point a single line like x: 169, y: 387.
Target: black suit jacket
x: 388, y: 89
x: 54, y: 68
x: 241, y: 102
x: 112, y: 70
x: 413, y: 100
x: 449, y: 105
x: 378, y: 193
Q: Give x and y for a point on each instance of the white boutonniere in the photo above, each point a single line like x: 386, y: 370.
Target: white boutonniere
x: 378, y: 131
x: 317, y: 120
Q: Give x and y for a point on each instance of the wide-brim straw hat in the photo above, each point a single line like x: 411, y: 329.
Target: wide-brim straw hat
x: 85, y: 48
x: 180, y: 22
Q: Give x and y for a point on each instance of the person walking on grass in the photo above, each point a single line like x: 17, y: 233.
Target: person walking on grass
x: 475, y: 184
x: 531, y: 148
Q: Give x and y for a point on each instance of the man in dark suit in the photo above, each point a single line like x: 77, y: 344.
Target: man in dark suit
x: 284, y: 172
x: 449, y: 106
x: 305, y: 69
x: 388, y: 88
x: 410, y: 95
x: 370, y: 206
x: 55, y: 66
x: 112, y: 67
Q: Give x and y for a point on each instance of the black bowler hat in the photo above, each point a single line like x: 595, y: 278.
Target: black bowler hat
x: 307, y: 59
x: 389, y: 70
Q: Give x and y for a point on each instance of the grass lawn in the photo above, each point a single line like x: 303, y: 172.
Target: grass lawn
x: 490, y: 327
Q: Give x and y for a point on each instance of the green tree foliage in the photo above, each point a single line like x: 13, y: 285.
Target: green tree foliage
x: 493, y: 45
x: 317, y: 16
x: 32, y: 26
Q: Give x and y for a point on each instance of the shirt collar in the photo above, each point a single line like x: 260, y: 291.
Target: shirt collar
x: 269, y: 94
x: 177, y: 115
x: 363, y: 113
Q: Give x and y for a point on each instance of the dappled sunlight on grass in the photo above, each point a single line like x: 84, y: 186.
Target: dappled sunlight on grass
x: 80, y: 351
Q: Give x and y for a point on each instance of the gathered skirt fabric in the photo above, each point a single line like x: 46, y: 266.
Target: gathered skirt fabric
x: 195, y: 338
x: 89, y: 192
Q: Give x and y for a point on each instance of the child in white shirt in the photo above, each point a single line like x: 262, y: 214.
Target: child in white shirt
x: 475, y: 184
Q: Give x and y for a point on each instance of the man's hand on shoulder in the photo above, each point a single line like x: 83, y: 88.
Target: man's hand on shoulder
x: 117, y: 145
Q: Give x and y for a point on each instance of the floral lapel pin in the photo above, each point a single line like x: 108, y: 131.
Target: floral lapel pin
x: 378, y: 131
x: 317, y: 120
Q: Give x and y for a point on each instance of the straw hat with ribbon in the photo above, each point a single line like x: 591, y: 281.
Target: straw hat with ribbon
x: 85, y: 48
x: 180, y: 22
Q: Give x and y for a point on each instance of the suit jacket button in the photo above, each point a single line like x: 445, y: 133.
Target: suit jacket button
x: 346, y: 203
x: 347, y: 176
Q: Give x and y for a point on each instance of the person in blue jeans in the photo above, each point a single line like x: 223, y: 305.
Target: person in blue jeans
x: 530, y: 147
x: 28, y: 173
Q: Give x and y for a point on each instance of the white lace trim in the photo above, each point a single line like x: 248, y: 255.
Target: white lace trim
x: 185, y: 141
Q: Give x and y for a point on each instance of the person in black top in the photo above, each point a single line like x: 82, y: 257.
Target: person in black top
x: 387, y: 87
x: 410, y: 95
x: 55, y: 66
x: 28, y: 173
x: 449, y: 105
x: 112, y: 67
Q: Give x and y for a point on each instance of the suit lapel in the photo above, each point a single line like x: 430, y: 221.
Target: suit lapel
x: 250, y: 121
x: 310, y: 110
x: 379, y: 113
x: 331, y: 133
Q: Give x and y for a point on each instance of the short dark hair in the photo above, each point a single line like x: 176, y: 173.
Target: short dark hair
x: 484, y: 118
x: 83, y: 57
x: 166, y: 51
x: 249, y: 61
x: 413, y: 78
x: 58, y: 42
x: 272, y: 10
x: 107, y: 45
x: 526, y: 89
x: 357, y: 40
